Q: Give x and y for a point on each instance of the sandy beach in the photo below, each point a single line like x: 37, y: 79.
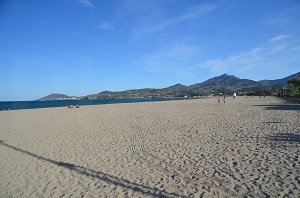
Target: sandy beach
x: 249, y: 147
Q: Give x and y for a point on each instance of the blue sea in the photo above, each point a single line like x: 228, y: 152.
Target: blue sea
x: 16, y: 105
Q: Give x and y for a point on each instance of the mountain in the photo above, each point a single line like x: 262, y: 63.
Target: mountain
x: 57, y: 96
x: 177, y: 86
x: 226, y: 79
x: 221, y: 84
x: 278, y: 82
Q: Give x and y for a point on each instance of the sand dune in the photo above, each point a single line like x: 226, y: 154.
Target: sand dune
x: 193, y: 148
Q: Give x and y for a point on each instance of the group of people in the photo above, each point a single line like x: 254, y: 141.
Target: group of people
x: 234, y: 96
x: 72, y: 106
x: 224, y: 98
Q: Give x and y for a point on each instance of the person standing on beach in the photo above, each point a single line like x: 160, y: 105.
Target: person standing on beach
x: 224, y: 99
x: 219, y: 99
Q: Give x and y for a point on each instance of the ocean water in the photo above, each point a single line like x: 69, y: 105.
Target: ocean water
x: 16, y: 105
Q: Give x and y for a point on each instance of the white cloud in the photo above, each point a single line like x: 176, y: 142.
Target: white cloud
x: 106, y: 26
x: 86, y: 3
x: 268, y: 56
x: 173, y: 55
x: 196, y: 12
x: 193, y: 13
x: 279, y: 38
x: 284, y: 17
x: 185, y: 59
x: 277, y: 48
x: 241, y: 61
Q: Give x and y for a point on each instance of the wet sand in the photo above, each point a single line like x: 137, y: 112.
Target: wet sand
x: 249, y: 147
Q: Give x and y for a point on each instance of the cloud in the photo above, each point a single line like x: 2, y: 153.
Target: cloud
x: 284, y: 17
x: 193, y: 13
x: 177, y: 50
x: 174, y: 55
x: 106, y: 26
x: 241, y: 61
x: 265, y: 57
x: 278, y: 21
x: 86, y: 3
x: 279, y: 38
x: 277, y: 48
x: 138, y: 6
x: 184, y: 59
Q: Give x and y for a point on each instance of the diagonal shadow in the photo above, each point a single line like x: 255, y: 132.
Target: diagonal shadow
x: 146, y: 190
x: 285, y: 137
x: 289, y: 107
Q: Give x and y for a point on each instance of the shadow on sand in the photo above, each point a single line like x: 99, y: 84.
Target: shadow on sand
x: 146, y: 190
x: 292, y: 107
x: 285, y: 137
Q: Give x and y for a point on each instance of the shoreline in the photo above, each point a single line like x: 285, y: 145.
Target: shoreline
x: 65, y: 103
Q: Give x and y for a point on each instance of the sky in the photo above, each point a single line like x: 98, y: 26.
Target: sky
x: 80, y: 47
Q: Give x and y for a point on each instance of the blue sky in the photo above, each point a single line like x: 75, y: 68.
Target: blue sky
x: 79, y: 47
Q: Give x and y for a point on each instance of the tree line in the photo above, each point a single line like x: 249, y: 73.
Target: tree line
x: 292, y: 90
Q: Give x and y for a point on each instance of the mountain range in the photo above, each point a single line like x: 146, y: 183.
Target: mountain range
x: 226, y: 84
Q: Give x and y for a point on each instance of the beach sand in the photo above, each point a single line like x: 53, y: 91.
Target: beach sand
x: 249, y: 147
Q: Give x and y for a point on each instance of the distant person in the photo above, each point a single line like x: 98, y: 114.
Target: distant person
x: 224, y: 99
x: 219, y: 99
x: 234, y: 95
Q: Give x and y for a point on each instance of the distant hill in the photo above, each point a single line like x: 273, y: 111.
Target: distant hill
x: 177, y: 86
x: 278, y: 82
x: 57, y: 96
x: 226, y: 79
x: 221, y: 84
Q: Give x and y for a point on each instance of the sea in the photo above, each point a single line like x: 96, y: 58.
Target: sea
x: 17, y: 105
